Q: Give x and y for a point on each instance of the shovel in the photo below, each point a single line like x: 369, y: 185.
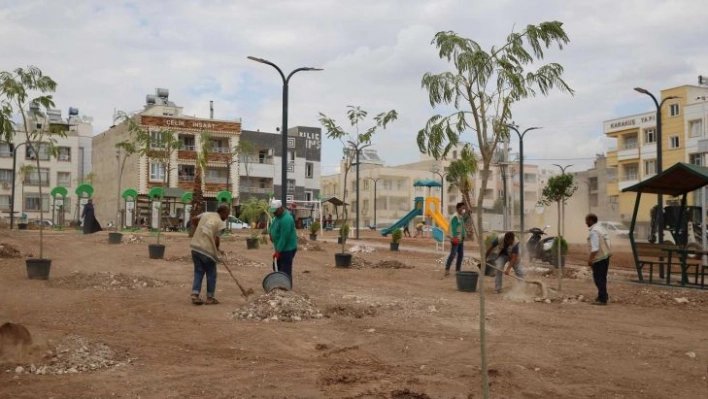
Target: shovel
x: 542, y: 291
x: 245, y: 292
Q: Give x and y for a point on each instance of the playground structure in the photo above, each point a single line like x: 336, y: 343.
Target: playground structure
x: 428, y: 206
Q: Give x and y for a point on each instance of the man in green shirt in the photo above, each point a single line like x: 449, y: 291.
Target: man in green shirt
x: 458, y: 234
x: 284, y: 238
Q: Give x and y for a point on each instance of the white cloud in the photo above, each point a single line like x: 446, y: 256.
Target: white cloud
x: 108, y: 55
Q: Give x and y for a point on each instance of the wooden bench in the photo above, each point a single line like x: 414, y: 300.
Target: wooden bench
x: 657, y: 254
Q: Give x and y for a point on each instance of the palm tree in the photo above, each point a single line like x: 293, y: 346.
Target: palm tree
x: 197, y: 192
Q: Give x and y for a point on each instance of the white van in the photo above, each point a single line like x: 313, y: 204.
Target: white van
x: 615, y: 229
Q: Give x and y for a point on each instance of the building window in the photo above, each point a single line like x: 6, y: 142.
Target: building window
x: 630, y: 141
x: 220, y: 145
x: 454, y: 155
x: 43, y: 153
x: 695, y: 128
x: 593, y: 200
x: 308, y: 195
x: 650, y: 167
x: 4, y: 202
x: 216, y: 175
x: 674, y: 142
x: 674, y: 109
x: 36, y: 176
x: 186, y: 142
x: 291, y: 156
x: 64, y: 179
x: 32, y: 202
x: 630, y: 172
x: 695, y: 159
x: 185, y: 172
x: 64, y: 154
x: 5, y: 150
x: 309, y: 170
x: 387, y: 184
x: 291, y: 186
x: 650, y: 136
x: 157, y: 139
x: 157, y: 171
x: 264, y: 156
x: 592, y: 183
x: 6, y: 176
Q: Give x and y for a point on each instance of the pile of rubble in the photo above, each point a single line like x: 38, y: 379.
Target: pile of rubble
x: 465, y: 261
x: 104, y: 281
x: 75, y: 354
x: 361, y: 248
x: 9, y: 251
x: 187, y: 259
x: 360, y: 263
x: 132, y: 239
x: 312, y: 246
x: 565, y: 299
x: 279, y: 305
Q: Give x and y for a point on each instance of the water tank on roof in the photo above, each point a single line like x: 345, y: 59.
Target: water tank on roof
x: 73, y: 111
x: 34, y: 107
x: 162, y: 93
x: 150, y: 99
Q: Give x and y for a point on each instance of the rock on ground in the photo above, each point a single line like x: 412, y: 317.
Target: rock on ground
x: 9, y: 251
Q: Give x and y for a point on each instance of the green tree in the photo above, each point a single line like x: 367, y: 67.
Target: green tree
x: 459, y: 174
x: 27, y: 91
x: 482, y: 88
x: 558, y: 189
x: 202, y: 162
x: 354, y: 141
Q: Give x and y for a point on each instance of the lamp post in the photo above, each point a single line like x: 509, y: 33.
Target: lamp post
x: 286, y: 81
x: 521, y: 174
x: 14, y: 175
x: 435, y: 169
x: 376, y: 180
x: 659, y: 167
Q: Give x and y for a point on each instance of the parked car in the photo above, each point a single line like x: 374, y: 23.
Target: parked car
x: 615, y: 229
x: 235, y: 223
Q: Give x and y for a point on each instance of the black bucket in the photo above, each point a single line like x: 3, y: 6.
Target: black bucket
x: 277, y: 281
x: 467, y: 281
x: 313, y: 237
x: 38, y: 269
x: 115, y: 238
x: 394, y: 246
x: 251, y: 243
x: 343, y: 260
x: 22, y: 226
x: 157, y: 251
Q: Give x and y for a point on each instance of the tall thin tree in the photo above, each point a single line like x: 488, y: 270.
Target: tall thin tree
x: 482, y: 87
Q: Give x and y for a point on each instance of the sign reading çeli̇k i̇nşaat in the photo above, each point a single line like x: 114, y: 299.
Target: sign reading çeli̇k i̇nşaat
x: 191, y: 124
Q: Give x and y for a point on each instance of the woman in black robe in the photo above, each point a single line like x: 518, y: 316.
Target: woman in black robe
x: 91, y: 225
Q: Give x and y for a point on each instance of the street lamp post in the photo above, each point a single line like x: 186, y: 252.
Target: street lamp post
x: 442, y: 187
x: 521, y: 174
x: 659, y: 166
x: 14, y: 174
x: 376, y: 180
x: 286, y: 81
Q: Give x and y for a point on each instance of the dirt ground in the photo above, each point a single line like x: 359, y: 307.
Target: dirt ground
x: 112, y: 323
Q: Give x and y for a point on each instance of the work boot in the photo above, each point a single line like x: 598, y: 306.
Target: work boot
x: 447, y: 273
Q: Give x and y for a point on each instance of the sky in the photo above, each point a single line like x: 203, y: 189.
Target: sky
x: 107, y: 55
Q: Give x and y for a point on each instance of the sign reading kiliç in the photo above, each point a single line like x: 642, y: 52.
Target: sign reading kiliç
x: 631, y: 122
x: 197, y: 124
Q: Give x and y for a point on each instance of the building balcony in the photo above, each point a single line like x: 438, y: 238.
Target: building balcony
x: 220, y: 157
x: 256, y: 190
x: 632, y: 153
x: 184, y: 153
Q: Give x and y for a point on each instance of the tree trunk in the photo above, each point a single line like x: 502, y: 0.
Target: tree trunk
x: 482, y: 296
x: 560, y: 271
x: 197, y: 199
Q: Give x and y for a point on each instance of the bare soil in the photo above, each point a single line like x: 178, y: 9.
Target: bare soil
x: 393, y: 327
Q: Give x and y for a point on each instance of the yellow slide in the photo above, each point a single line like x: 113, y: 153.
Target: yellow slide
x: 432, y: 205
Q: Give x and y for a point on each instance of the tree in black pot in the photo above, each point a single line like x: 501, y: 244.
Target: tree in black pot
x: 558, y: 189
x: 27, y: 91
x: 314, y: 229
x: 343, y: 259
x: 396, y: 237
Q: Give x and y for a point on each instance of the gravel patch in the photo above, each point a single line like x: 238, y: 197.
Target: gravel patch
x: 9, y: 251
x: 104, y: 281
x: 279, y: 305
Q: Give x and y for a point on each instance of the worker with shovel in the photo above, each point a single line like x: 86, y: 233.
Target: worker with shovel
x: 205, y: 251
x: 507, y: 251
x: 284, y: 238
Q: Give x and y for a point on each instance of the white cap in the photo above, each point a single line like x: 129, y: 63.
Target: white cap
x: 275, y: 204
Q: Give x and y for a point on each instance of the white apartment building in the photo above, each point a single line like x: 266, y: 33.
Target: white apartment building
x: 69, y: 169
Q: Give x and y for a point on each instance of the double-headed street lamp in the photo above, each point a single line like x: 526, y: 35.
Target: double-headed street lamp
x: 14, y: 175
x: 659, y: 167
x: 521, y: 172
x: 286, y: 81
x: 376, y: 180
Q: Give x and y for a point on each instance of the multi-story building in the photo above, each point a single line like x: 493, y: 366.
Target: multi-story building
x: 683, y: 139
x: 260, y: 171
x: 142, y: 172
x: 68, y: 169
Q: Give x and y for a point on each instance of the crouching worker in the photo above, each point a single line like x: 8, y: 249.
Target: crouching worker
x: 507, y: 251
x: 205, y: 252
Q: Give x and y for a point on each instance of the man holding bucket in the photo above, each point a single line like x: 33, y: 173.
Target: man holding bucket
x: 284, y: 238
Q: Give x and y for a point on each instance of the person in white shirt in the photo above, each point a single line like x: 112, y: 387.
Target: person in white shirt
x: 599, y: 258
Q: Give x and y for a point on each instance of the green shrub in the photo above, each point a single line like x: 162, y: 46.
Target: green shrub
x: 315, y: 227
x: 344, y: 230
x: 397, y: 235
x: 564, y: 246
